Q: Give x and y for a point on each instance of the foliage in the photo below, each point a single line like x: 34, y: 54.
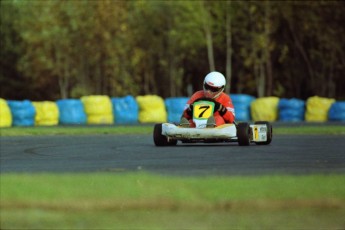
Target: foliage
x: 76, y: 48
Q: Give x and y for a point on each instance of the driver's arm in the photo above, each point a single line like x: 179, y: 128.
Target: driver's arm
x: 229, y: 114
x: 188, y: 111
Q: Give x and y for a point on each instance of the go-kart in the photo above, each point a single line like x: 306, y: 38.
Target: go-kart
x: 167, y: 134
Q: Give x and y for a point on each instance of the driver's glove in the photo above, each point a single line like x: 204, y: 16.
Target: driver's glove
x: 220, y: 108
x: 190, y: 110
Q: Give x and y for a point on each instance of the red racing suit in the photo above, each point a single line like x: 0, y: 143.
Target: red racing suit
x: 223, y: 98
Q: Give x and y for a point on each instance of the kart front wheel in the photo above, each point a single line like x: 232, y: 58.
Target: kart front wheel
x: 159, y: 139
x: 243, y: 134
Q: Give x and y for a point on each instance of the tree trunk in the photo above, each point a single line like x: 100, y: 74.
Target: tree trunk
x: 331, y: 86
x: 208, y: 37
x: 172, y: 80
x: 209, y: 43
x: 228, y: 48
x: 62, y: 75
x: 63, y: 83
x: 303, y: 53
x: 146, y: 85
x: 269, y: 78
x: 259, y: 70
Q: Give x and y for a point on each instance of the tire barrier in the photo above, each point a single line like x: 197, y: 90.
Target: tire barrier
x: 23, y: 112
x: 151, y: 109
x: 47, y: 113
x: 265, y: 109
x: 125, y: 109
x: 291, y: 109
x: 98, y: 109
x: 317, y: 108
x: 5, y: 114
x: 242, y: 104
x: 337, y: 111
x: 71, y: 112
x: 174, y: 107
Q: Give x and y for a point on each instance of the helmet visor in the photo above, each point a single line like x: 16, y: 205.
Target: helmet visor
x: 212, y: 88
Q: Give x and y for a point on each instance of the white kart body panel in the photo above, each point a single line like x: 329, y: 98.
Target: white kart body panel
x: 223, y: 132
x: 227, y: 131
x: 200, y: 124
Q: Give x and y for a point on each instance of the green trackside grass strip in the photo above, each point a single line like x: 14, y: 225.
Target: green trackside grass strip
x: 148, y: 201
x: 75, y: 130
x: 310, y: 130
x: 148, y: 129
x: 152, y: 191
x: 97, y: 190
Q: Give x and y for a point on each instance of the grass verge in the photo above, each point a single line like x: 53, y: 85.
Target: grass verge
x: 75, y: 130
x: 147, y: 201
x: 148, y: 129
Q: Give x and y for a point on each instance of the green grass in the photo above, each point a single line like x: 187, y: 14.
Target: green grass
x: 176, y: 219
x: 310, y: 130
x: 75, y: 130
x: 148, y: 129
x: 202, y: 191
x: 147, y: 201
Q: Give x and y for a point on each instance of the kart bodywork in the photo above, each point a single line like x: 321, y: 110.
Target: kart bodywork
x: 167, y: 134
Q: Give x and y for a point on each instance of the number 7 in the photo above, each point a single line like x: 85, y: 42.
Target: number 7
x: 205, y: 107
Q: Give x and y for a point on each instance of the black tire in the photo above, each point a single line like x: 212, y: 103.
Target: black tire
x: 243, y: 134
x: 159, y: 139
x: 269, y: 132
x: 172, y: 142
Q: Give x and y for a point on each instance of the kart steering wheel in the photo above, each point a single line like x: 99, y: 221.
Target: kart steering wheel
x: 205, y: 99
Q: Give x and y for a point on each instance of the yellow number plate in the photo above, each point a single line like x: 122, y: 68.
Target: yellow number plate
x: 203, y: 109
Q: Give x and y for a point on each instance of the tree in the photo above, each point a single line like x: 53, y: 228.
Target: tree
x: 75, y: 48
x: 13, y: 84
x: 228, y: 46
x: 316, y: 32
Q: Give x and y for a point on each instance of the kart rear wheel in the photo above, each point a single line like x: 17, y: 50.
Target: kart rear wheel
x: 243, y: 134
x: 269, y: 132
x: 159, y: 139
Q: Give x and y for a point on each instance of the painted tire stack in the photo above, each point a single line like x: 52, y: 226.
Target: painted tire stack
x: 151, y: 109
x: 5, y: 114
x: 337, y: 111
x: 265, y: 109
x: 317, y: 108
x: 71, y: 112
x: 23, y: 112
x: 125, y: 110
x: 47, y: 113
x: 242, y: 104
x: 175, y: 107
x: 98, y: 109
x: 291, y: 109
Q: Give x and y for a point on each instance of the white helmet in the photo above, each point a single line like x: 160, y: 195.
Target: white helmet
x: 214, y: 84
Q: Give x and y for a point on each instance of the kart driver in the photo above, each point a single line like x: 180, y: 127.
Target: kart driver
x: 213, y: 88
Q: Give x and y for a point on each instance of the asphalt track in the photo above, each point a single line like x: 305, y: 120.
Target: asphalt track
x: 287, y: 154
